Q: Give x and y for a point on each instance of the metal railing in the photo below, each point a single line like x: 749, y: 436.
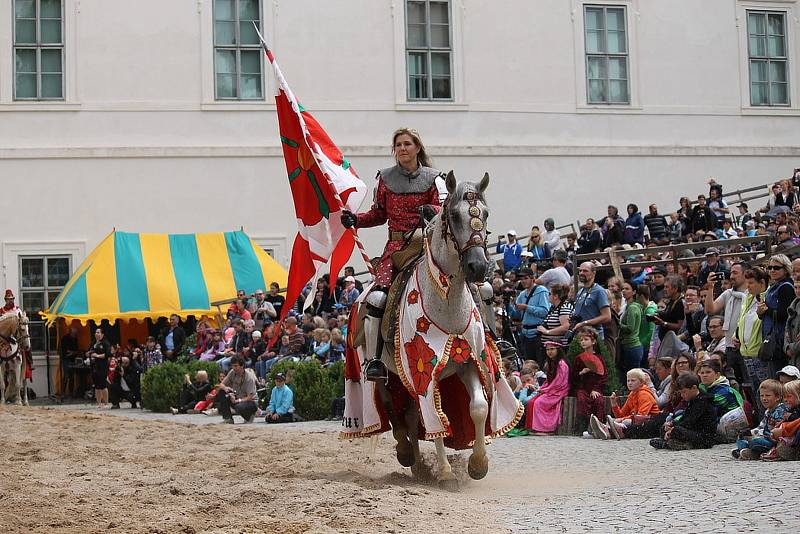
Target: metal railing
x: 611, y: 257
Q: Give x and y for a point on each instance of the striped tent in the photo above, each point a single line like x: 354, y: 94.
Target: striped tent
x: 136, y: 276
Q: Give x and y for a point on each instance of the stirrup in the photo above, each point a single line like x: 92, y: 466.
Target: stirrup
x: 375, y: 370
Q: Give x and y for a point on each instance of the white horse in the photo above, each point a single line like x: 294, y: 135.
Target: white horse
x: 457, y: 242
x: 14, y: 341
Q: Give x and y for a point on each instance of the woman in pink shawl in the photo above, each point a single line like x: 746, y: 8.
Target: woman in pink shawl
x: 544, y: 410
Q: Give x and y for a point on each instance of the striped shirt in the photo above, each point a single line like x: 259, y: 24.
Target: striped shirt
x: 552, y: 321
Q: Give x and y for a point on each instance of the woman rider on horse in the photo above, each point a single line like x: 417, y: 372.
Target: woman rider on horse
x: 404, y: 193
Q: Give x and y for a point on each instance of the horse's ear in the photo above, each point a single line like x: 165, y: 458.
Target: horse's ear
x: 450, y: 182
x: 484, y: 183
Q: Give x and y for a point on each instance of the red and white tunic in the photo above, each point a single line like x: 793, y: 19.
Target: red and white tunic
x: 398, y: 196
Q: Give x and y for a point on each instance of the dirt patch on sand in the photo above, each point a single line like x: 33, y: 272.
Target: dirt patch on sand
x: 67, y: 472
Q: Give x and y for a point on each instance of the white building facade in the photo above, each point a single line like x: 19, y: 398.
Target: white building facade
x: 158, y: 116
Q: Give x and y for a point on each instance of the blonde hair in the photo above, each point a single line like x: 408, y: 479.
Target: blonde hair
x: 422, y: 155
x: 638, y: 374
x: 337, y: 337
x: 319, y: 322
x: 785, y: 262
x: 792, y: 387
x: 201, y: 375
x: 772, y: 385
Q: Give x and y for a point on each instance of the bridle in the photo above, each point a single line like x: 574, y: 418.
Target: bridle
x: 477, y: 236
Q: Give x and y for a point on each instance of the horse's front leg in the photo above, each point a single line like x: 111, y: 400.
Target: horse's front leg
x: 17, y: 374
x: 24, y: 386
x: 444, y: 472
x: 412, y: 431
x: 478, y: 410
x: 2, y: 383
x: 403, y: 449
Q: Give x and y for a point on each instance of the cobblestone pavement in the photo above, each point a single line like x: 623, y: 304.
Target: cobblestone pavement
x: 627, y: 486
x: 564, y: 484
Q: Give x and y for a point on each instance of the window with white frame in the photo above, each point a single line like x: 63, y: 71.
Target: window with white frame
x: 768, y: 58
x: 238, y: 73
x: 606, y: 39
x: 41, y: 279
x: 429, y: 51
x: 38, y: 50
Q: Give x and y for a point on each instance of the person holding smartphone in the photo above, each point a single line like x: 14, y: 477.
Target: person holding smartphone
x: 713, y: 264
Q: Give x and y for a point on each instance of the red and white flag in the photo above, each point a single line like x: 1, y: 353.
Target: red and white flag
x: 323, y: 183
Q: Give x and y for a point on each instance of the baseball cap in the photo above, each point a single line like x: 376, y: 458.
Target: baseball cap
x: 712, y: 251
x: 281, y: 377
x: 659, y: 270
x: 790, y: 370
x: 350, y: 279
x: 512, y: 232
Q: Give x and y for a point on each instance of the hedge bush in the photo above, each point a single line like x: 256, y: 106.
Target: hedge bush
x: 612, y: 383
x: 161, y: 386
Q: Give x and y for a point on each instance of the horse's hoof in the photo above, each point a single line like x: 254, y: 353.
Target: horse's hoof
x: 449, y: 484
x: 477, y: 467
x: 405, y: 454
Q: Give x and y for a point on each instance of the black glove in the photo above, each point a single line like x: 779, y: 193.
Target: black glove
x: 349, y: 219
x: 427, y: 212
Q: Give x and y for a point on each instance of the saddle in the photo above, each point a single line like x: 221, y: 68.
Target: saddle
x: 404, y: 261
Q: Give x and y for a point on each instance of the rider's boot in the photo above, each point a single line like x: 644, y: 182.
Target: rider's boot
x: 374, y: 369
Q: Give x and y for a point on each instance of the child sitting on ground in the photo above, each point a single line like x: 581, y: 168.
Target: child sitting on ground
x: 753, y: 443
x: 731, y: 414
x: 530, y: 387
x: 640, y: 406
x: 696, y: 426
x: 588, y: 376
x: 786, y: 433
x: 512, y: 377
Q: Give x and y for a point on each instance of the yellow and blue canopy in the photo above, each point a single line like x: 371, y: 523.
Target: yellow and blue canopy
x: 136, y: 276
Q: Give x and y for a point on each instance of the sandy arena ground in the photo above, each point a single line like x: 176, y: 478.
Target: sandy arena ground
x: 78, y: 469
x: 87, y: 472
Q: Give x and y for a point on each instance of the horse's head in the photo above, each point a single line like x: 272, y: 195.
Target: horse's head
x: 464, y: 216
x: 23, y: 335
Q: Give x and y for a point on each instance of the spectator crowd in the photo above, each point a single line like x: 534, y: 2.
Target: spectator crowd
x: 708, y: 342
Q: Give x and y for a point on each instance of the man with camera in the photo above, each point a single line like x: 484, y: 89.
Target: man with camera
x: 730, y: 300
x: 512, y: 251
x: 591, y: 302
x: 713, y: 264
x: 237, y: 393
x: 671, y: 318
x: 532, y: 305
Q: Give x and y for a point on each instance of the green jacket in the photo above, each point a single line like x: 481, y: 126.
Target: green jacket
x: 630, y: 325
x: 749, y: 347
x: 646, y: 328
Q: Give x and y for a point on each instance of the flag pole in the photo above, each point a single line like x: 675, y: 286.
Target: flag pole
x: 358, y: 242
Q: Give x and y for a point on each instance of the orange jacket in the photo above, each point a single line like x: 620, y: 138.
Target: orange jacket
x: 790, y: 428
x: 641, y: 401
